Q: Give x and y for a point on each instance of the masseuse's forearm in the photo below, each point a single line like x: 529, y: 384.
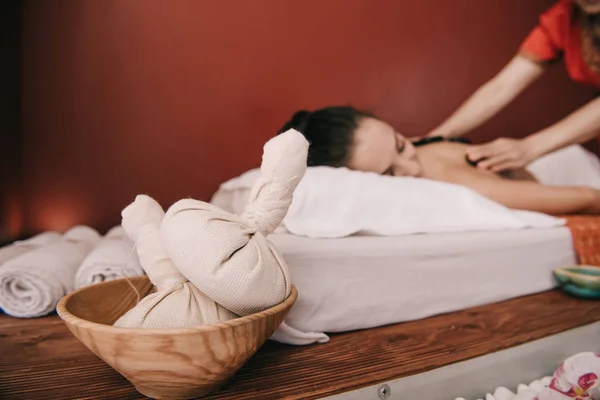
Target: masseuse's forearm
x: 526, y: 195
x: 492, y: 97
x: 481, y: 106
x: 578, y: 127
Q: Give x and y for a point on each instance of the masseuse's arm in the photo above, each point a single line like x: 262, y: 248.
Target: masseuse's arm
x: 492, y: 97
x: 524, y: 195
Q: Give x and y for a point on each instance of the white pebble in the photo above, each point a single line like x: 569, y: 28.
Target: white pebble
x: 502, y: 393
x: 526, y: 394
x: 522, y: 387
x: 489, y: 397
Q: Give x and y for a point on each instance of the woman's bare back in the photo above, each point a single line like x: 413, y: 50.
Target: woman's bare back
x: 442, y: 160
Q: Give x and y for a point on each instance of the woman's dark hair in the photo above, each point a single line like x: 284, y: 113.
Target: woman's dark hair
x: 330, y: 132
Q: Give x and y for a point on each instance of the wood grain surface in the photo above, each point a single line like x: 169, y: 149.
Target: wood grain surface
x: 41, y: 359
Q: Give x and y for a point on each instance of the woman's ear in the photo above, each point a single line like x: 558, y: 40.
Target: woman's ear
x: 401, y: 142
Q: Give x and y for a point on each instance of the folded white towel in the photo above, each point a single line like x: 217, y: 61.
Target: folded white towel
x: 32, y: 284
x: 113, y: 258
x: 19, y: 247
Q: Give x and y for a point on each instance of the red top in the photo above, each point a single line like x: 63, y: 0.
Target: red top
x: 559, y: 35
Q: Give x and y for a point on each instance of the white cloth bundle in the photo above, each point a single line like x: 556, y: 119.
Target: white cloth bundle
x: 32, y: 284
x: 23, y: 246
x: 176, y: 302
x: 112, y: 258
x: 227, y: 256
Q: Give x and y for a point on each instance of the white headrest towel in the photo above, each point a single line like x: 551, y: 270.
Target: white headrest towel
x: 570, y: 166
x: 391, y: 206
x: 176, y: 303
x: 113, y: 258
x: 228, y: 257
x: 32, y: 284
x: 338, y: 202
x: 19, y: 247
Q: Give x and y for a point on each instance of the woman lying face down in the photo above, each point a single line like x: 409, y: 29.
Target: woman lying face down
x: 346, y: 137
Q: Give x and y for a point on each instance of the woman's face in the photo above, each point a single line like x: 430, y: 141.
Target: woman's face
x: 379, y: 148
x: 589, y: 6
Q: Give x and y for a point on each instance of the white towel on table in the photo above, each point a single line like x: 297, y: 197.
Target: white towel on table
x: 338, y: 202
x: 32, y: 284
x: 19, y: 247
x: 113, y: 258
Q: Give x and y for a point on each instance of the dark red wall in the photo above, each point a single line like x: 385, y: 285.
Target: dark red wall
x: 10, y: 119
x: 170, y: 98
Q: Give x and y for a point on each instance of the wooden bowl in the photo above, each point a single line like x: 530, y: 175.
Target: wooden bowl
x: 180, y: 363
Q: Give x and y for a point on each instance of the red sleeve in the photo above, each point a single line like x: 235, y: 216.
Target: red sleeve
x: 547, y: 40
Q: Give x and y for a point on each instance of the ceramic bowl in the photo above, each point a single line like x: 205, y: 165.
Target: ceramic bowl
x: 580, y: 280
x: 181, y: 363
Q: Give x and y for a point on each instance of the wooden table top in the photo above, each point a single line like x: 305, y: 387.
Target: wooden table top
x: 41, y: 359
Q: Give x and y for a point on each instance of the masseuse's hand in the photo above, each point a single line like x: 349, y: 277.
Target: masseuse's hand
x: 501, y: 154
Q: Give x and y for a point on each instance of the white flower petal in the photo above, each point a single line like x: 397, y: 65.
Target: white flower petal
x: 546, y: 380
x: 549, y: 394
x: 581, y: 364
x: 536, y: 385
x: 559, y: 381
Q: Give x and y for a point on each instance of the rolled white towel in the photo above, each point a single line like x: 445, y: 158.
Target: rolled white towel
x: 32, y: 284
x: 19, y: 247
x: 112, y: 258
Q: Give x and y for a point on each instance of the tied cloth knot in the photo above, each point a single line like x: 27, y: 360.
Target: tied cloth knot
x: 227, y: 256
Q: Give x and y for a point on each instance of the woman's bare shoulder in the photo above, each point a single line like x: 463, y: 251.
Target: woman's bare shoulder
x: 450, y: 159
x: 451, y: 152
